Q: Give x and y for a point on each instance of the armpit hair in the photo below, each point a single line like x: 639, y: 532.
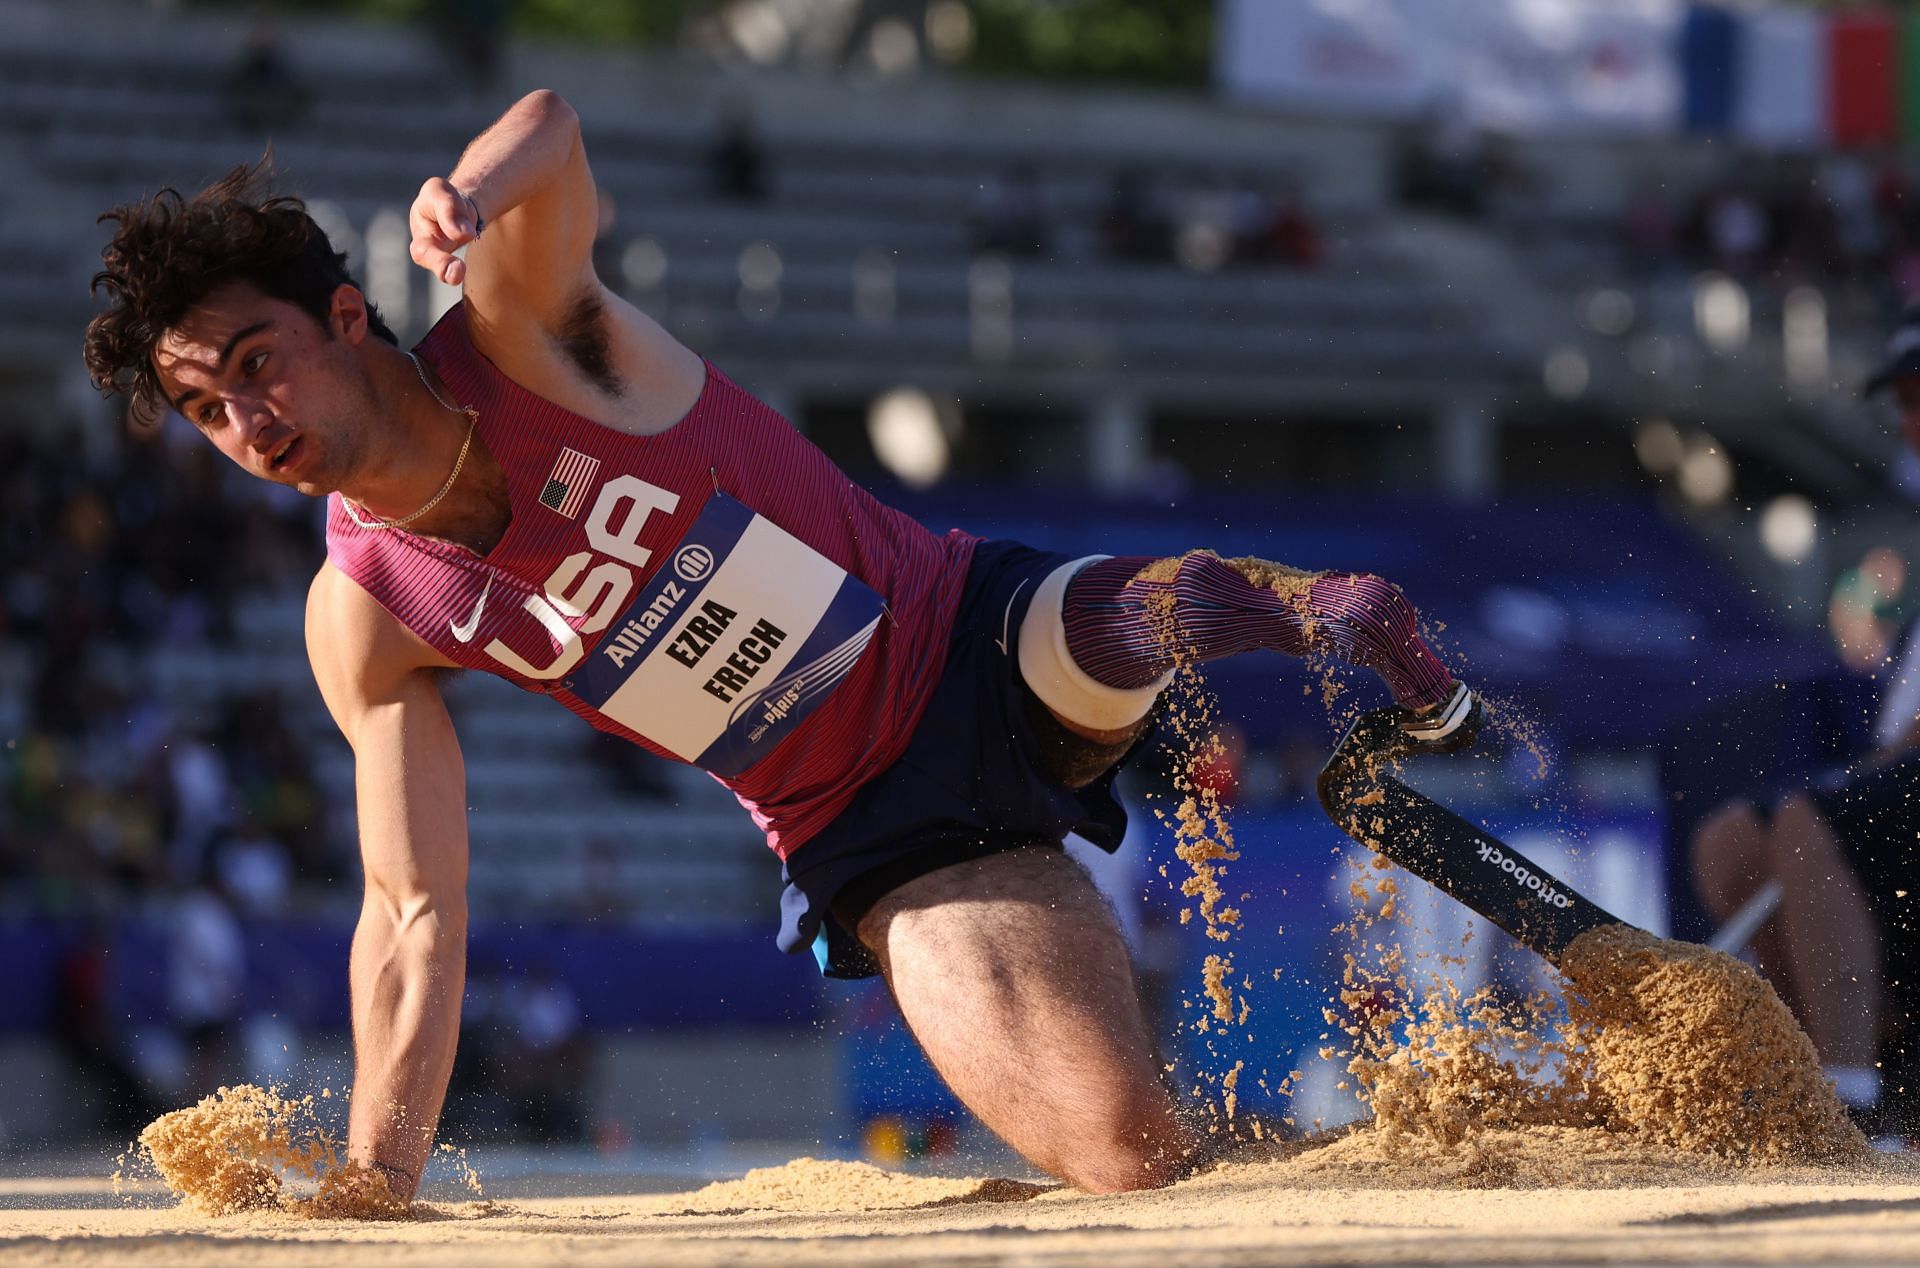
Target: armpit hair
x: 583, y: 337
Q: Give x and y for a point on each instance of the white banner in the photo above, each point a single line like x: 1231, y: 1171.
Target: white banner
x: 1782, y: 85
x: 1331, y: 56
x: 1517, y: 65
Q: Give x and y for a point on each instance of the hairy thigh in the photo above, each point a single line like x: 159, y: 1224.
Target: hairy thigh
x: 1011, y: 971
x: 998, y: 931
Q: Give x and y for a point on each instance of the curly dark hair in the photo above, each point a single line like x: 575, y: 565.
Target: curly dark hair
x: 170, y: 252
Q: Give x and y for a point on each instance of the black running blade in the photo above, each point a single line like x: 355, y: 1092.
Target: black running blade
x: 1462, y: 861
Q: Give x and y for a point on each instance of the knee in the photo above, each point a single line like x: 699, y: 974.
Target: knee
x: 1137, y: 1141
x: 1799, y: 810
x: 1147, y: 1161
x: 1367, y: 608
x: 1803, y: 840
x: 1727, y: 832
x: 1728, y: 854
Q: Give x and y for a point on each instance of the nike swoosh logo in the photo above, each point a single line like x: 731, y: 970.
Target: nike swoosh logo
x: 465, y: 632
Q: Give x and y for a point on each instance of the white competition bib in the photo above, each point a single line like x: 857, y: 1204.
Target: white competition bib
x: 741, y: 635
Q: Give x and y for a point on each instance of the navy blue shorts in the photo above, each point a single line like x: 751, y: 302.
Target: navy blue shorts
x: 968, y: 784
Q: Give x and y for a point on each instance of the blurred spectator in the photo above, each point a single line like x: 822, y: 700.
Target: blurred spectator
x: 89, y: 1035
x: 1510, y: 189
x: 1292, y: 235
x: 1249, y: 218
x: 1440, y: 164
x: 256, y: 870
x: 471, y: 32
x: 1782, y: 221
x: 603, y: 889
x: 263, y: 92
x: 106, y: 795
x: 547, y: 1057
x: 1133, y: 224
x: 736, y: 163
x: 1892, y: 197
x: 521, y: 1064
x: 274, y: 785
x: 478, y: 1104
x: 1217, y: 221
x: 1206, y: 233
x: 1647, y: 228
x: 206, y: 983
x: 1733, y: 228
x: 1849, y: 186
x: 1009, y: 215
x: 199, y: 801
x: 1805, y: 239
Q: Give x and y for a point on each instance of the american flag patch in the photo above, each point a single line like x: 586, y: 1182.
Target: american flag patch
x: 566, y: 488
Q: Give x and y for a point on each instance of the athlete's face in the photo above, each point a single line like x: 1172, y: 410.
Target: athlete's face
x: 284, y: 396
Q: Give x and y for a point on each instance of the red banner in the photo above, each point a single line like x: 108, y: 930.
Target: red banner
x: 1863, y: 86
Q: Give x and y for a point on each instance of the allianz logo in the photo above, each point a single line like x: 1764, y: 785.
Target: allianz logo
x: 1522, y: 875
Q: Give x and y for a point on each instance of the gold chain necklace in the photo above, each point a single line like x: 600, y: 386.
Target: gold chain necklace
x: 473, y: 419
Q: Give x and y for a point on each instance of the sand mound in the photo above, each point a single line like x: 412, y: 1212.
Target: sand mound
x: 1691, y: 1048
x: 813, y: 1184
x: 1670, y: 1057
x: 251, y: 1149
x: 1538, y: 1157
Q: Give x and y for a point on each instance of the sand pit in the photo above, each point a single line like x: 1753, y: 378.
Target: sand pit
x: 1635, y: 1155
x: 1268, y: 1212
x: 1636, y: 1152
x: 1668, y: 1110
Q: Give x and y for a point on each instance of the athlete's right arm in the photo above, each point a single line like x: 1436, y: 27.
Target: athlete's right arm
x: 408, y: 964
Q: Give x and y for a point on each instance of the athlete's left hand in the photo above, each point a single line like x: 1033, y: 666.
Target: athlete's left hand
x: 442, y: 219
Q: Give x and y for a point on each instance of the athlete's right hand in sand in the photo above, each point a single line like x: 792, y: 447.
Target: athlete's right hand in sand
x: 527, y: 175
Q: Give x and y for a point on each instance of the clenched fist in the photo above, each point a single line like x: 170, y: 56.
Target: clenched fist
x: 442, y: 219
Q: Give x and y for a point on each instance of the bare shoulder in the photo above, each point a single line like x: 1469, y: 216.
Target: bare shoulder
x: 361, y: 653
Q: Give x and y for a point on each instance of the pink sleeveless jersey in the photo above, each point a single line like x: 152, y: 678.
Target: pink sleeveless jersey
x: 720, y: 593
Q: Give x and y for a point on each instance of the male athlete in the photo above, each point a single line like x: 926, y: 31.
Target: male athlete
x: 550, y: 488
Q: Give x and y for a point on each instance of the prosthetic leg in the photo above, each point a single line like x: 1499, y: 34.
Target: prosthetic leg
x: 1464, y: 862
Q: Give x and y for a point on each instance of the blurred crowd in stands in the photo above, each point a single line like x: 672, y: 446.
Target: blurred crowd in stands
x: 123, y: 801
x: 1794, y: 218
x: 159, y: 828
x: 113, y: 788
x: 264, y: 88
x: 1204, y: 222
x: 1841, y: 217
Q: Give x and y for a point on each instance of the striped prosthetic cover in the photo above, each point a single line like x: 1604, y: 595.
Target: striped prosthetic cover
x: 1116, y: 625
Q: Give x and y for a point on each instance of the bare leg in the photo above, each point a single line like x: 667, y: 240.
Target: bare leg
x: 1729, y: 856
x: 1836, y: 965
x: 1732, y: 856
x: 1011, y: 972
